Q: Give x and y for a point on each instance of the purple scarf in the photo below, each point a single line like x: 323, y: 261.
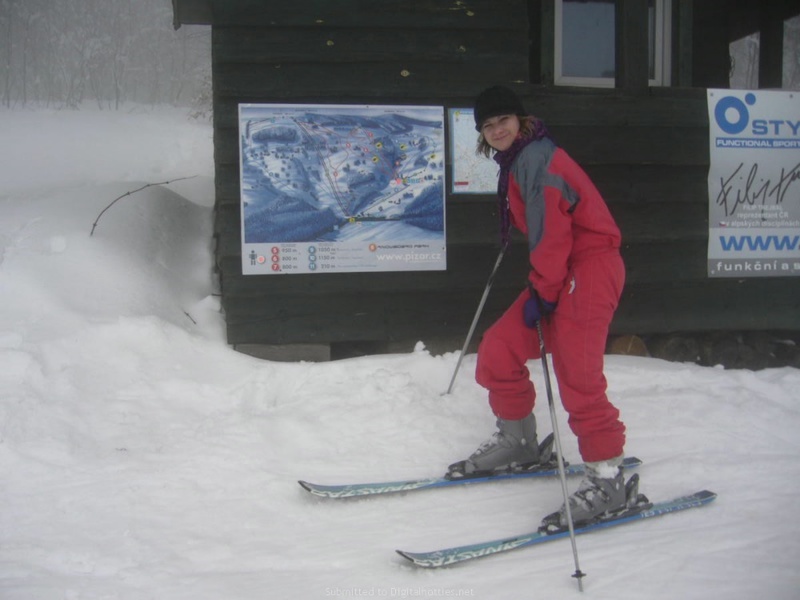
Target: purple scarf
x: 505, y: 159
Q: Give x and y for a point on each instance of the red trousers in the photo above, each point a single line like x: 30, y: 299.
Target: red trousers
x: 575, y: 335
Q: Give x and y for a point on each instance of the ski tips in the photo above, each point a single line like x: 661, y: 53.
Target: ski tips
x: 318, y: 490
x: 306, y: 486
x: 412, y: 558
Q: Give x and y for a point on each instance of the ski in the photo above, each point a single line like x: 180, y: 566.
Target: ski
x: 388, y: 487
x: 458, y: 554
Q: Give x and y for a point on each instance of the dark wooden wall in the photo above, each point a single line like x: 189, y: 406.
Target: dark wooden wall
x: 648, y: 154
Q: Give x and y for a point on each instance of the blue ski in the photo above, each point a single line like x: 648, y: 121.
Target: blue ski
x: 388, y: 487
x: 450, y: 556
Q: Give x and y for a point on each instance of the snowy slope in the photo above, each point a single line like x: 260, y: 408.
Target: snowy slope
x: 142, y: 458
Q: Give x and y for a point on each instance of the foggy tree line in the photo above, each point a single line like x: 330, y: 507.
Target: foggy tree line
x: 791, y: 53
x: 745, y: 52
x: 65, y: 53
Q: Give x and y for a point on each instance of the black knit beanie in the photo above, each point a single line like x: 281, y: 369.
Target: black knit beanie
x: 496, y: 101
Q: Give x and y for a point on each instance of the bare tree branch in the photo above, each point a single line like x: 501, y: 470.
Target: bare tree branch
x: 94, y: 225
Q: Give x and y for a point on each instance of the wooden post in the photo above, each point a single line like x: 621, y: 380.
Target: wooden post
x: 632, y: 72
x: 682, y: 23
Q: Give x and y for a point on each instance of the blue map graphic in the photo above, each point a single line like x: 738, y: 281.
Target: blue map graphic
x: 341, y: 173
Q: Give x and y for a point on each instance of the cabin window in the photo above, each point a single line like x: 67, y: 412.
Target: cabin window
x: 584, y: 42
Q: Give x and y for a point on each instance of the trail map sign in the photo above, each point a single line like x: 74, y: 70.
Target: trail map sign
x: 754, y: 183
x: 341, y: 188
x: 472, y: 173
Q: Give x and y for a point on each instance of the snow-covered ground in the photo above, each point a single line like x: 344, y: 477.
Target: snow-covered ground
x: 142, y: 458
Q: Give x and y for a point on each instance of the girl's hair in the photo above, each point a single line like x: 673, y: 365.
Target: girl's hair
x: 527, y: 127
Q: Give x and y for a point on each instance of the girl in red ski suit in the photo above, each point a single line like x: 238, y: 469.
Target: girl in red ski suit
x: 578, y: 275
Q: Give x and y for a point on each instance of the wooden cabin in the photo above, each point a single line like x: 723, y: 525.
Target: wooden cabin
x: 642, y: 134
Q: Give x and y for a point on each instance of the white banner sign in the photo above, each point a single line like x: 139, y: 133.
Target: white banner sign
x: 341, y: 188
x: 754, y: 183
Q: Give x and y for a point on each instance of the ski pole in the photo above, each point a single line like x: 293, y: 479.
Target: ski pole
x: 477, y: 316
x: 579, y: 575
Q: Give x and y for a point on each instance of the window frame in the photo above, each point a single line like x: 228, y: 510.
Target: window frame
x: 662, y: 46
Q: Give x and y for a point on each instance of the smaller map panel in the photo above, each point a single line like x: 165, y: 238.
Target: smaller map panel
x: 472, y: 173
x: 341, y: 188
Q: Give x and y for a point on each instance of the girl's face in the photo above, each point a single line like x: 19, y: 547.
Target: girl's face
x: 501, y: 131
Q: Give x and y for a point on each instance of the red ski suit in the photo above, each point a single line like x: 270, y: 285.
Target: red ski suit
x: 575, y: 262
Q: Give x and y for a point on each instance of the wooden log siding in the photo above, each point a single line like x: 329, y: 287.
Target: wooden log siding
x: 648, y: 154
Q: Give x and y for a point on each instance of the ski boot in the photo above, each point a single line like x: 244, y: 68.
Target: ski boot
x: 513, y: 448
x: 602, y: 494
